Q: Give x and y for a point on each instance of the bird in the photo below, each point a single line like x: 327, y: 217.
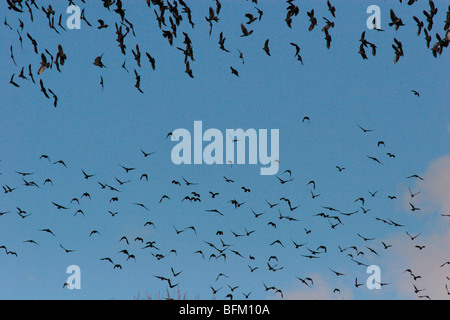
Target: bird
x: 94, y: 232
x: 138, y: 81
x: 420, y: 25
x: 87, y: 176
x: 312, y: 19
x: 47, y: 231
x: 413, y: 194
x: 386, y: 246
x: 102, y: 84
x: 297, y: 48
x: 44, y: 64
x: 55, y: 98
x: 357, y: 285
x: 412, y: 237
x: 127, y: 169
x: 415, y: 176
x: 60, y: 162
x: 390, y: 155
x: 332, y: 9
x: 395, y: 21
x: 234, y: 71
x: 284, y: 181
x: 31, y: 241
x: 222, y: 42
x: 364, y: 238
x: 122, y: 182
x: 257, y: 215
x: 214, y: 291
x: 241, y: 56
x: 152, y: 60
x: 98, y: 62
x: 59, y: 207
x: 43, y: 89
x: 250, y: 18
x: 11, y: 81
x: 398, y: 50
x: 189, y: 183
x: 213, y: 194
x: 33, y: 42
x: 365, y: 130
x: 189, y: 70
x: 305, y: 281
x: 253, y: 269
x: 164, y: 197
x: 245, y: 32
x: 416, y: 291
x: 374, y: 159
x: 266, y: 47
x: 141, y: 205
x: 102, y: 24
x: 66, y: 250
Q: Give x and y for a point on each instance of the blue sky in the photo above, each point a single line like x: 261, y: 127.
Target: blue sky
x: 97, y: 131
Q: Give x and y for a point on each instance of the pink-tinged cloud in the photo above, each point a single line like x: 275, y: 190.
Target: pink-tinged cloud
x: 427, y: 265
x: 427, y: 254
x: 434, y: 189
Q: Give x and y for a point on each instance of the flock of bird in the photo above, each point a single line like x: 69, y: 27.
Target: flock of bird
x: 169, y: 17
x: 275, y: 212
